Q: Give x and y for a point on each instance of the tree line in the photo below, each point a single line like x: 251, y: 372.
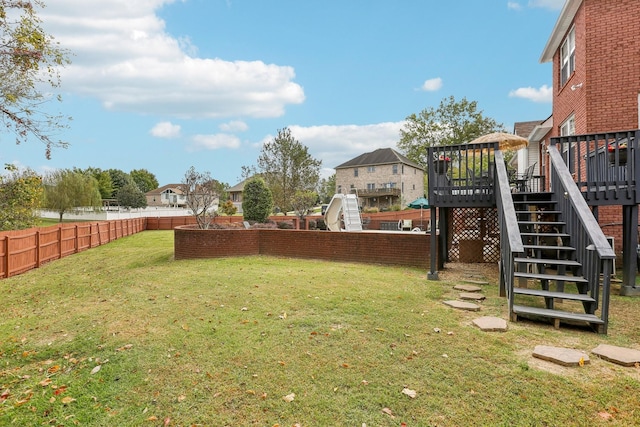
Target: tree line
x: 23, y: 192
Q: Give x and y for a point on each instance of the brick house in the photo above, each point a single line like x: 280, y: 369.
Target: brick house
x: 595, y: 51
x: 381, y: 179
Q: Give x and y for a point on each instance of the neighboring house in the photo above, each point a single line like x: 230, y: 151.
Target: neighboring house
x: 235, y: 195
x: 595, y: 51
x: 381, y: 179
x: 168, y: 195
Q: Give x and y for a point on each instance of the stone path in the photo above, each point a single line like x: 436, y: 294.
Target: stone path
x: 461, y: 305
x: 491, y: 324
x: 467, y: 288
x: 561, y: 356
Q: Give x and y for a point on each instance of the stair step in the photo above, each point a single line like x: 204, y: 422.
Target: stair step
x: 541, y: 222
x: 557, y: 314
x: 552, y: 294
x: 546, y: 234
x: 567, y: 262
x: 539, y: 212
x: 551, y: 248
x: 556, y: 277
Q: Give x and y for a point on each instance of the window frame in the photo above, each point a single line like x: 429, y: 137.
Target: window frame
x: 568, y: 57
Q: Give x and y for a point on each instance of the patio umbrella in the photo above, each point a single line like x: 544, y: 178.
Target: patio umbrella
x: 419, y: 203
x: 506, y: 141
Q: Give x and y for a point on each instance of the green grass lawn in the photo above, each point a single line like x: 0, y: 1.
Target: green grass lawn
x: 123, y: 335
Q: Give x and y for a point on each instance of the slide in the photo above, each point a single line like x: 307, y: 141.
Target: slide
x: 343, y: 208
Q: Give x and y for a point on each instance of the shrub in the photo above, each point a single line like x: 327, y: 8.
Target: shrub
x: 257, y: 202
x: 285, y: 225
x: 371, y: 210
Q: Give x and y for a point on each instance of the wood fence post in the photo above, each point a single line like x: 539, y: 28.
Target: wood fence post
x: 59, y: 241
x: 6, y: 256
x: 76, y: 242
x: 38, y: 249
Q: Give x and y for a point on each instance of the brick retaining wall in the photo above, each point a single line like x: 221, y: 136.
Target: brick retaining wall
x: 409, y: 249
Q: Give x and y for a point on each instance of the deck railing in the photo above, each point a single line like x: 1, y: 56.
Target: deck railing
x: 510, y: 239
x: 603, y: 165
x: 462, y: 175
x: 592, y: 248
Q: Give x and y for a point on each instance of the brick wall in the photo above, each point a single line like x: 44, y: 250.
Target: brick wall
x: 409, y: 249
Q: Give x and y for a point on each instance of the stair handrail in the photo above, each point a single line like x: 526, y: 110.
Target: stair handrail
x: 511, y: 244
x: 593, y: 250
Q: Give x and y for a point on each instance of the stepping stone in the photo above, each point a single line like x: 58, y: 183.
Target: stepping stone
x: 475, y: 282
x: 491, y: 324
x: 619, y: 355
x: 461, y: 305
x: 561, y: 356
x: 471, y: 296
x: 467, y: 288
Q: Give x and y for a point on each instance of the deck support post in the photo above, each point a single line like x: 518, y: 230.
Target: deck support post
x: 433, y: 273
x: 629, y: 250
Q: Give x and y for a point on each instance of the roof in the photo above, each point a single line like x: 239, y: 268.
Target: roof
x: 381, y: 156
x: 174, y: 187
x: 567, y: 14
x: 524, y: 129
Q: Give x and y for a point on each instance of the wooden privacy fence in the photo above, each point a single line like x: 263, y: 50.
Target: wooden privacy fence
x: 23, y: 250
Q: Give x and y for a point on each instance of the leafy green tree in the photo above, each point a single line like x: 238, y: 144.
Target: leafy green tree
x: 29, y: 60
x: 119, y: 179
x: 453, y: 122
x: 303, y: 202
x: 130, y: 196
x: 327, y: 188
x: 145, y: 180
x: 257, y: 202
x: 105, y: 186
x: 287, y: 167
x: 66, y: 190
x: 20, y: 198
x: 201, y: 192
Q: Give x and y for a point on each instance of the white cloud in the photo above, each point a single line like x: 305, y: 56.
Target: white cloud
x: 165, y: 130
x: 234, y: 126
x: 542, y: 94
x: 514, y: 5
x: 214, y: 142
x: 432, y: 85
x: 337, y: 144
x: 547, y: 4
x: 123, y: 57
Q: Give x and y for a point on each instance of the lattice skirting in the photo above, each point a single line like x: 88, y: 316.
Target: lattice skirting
x: 474, y: 235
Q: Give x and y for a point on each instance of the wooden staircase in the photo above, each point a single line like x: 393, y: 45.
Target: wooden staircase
x: 548, y: 283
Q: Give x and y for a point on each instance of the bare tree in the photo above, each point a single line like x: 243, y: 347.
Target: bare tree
x: 201, y: 193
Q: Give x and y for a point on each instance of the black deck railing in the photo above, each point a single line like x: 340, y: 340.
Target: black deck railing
x: 462, y: 175
x: 603, y: 165
x: 592, y: 248
x: 510, y: 239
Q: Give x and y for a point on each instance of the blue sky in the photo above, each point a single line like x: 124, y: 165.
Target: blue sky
x: 167, y: 84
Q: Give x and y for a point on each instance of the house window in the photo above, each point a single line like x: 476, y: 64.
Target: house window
x: 394, y: 169
x: 371, y: 186
x: 371, y: 169
x: 568, y: 57
x: 355, y: 172
x: 339, y: 189
x: 568, y: 127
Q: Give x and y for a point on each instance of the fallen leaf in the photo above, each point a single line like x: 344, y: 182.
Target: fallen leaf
x: 53, y: 369
x: 60, y: 390
x: 289, y: 397
x: 96, y: 369
x: 605, y: 415
x: 5, y: 395
x: 125, y: 347
x: 67, y: 400
x: 181, y: 397
x: 152, y: 418
x: 388, y: 412
x: 436, y: 330
x: 411, y: 393
x: 365, y: 382
x: 167, y: 421
x: 45, y: 382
